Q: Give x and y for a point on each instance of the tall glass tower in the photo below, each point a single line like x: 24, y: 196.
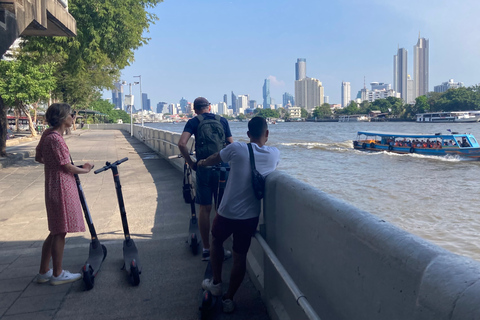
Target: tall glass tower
x: 266, y: 94
x: 420, y: 67
x: 301, y: 69
x: 234, y: 103
x: 400, y: 74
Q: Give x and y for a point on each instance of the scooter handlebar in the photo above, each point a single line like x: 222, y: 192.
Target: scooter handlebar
x: 109, y: 165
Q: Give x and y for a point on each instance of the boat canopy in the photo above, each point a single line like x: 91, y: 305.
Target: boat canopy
x: 413, y: 135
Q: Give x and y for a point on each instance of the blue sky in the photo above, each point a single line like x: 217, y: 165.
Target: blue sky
x: 212, y: 47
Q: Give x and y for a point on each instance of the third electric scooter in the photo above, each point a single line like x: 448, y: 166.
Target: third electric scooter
x: 130, y: 252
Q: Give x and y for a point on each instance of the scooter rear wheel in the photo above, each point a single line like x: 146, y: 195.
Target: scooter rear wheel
x: 88, y: 277
x: 134, y: 273
x: 194, y: 243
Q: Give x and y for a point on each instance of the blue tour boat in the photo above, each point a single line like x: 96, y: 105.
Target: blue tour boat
x: 437, y: 144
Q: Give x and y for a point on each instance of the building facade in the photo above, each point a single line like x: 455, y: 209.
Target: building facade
x: 420, y: 67
x: 300, y: 69
x: 117, y: 96
x: 448, y: 85
x: 346, y: 94
x: 400, y: 73
x: 308, y: 93
x: 266, y: 93
x: 288, y: 99
x: 234, y: 103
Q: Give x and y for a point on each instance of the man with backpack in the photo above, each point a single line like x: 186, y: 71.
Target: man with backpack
x: 239, y: 211
x: 212, y: 133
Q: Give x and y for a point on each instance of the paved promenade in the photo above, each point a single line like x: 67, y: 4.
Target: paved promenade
x: 158, y: 220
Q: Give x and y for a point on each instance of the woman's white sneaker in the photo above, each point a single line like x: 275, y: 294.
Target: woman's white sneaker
x: 65, y: 277
x: 42, y: 278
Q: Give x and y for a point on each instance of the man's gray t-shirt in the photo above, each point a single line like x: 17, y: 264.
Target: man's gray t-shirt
x: 239, y: 201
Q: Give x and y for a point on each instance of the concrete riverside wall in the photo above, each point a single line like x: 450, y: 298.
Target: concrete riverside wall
x: 348, y: 263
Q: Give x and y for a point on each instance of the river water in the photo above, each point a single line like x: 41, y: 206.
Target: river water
x: 435, y: 198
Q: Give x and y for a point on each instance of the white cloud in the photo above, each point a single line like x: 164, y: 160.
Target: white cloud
x: 275, y: 82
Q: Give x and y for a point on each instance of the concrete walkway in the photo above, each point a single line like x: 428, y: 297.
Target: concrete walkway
x: 158, y: 220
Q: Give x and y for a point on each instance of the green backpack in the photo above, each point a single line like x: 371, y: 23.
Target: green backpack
x: 210, y: 137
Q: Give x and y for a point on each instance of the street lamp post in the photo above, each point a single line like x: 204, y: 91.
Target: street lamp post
x: 141, y: 95
x: 130, y: 103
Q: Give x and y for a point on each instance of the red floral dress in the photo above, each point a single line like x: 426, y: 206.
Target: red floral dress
x: 62, y: 201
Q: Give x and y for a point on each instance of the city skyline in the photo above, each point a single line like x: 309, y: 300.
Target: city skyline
x: 338, y: 48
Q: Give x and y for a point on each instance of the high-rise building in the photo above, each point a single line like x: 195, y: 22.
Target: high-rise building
x: 301, y: 69
x: 346, y: 94
x: 117, y: 96
x: 410, y: 90
x: 380, y: 86
x: 326, y: 99
x: 448, y: 85
x: 234, y: 103
x: 146, y: 103
x: 400, y: 73
x: 288, y: 100
x: 252, y: 104
x: 222, y: 107
x: 420, y: 67
x: 183, y: 105
x: 242, y: 102
x: 162, y: 107
x: 225, y: 99
x: 266, y: 94
x: 308, y: 93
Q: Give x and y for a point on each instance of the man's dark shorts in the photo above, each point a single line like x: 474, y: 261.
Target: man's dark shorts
x: 242, y: 230
x: 206, y: 184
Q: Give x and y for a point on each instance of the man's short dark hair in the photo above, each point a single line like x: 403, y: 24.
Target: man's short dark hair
x: 257, y: 127
x: 200, y: 103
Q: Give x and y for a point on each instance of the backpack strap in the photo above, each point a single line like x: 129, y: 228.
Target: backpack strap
x: 200, y: 117
x: 252, y: 158
x: 217, y: 117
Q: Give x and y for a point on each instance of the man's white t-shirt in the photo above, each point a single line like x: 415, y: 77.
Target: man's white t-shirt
x: 239, y: 201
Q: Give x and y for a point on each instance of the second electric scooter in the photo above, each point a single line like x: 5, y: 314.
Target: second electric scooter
x: 130, y: 253
x: 97, y: 252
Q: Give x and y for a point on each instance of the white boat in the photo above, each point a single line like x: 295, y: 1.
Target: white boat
x: 354, y: 118
x: 452, y: 116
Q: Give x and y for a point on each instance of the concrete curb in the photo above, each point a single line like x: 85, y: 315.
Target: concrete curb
x: 13, y: 158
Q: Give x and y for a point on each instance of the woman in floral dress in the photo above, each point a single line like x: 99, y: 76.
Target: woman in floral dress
x: 64, y: 211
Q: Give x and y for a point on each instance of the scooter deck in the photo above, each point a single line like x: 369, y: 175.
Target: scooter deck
x: 96, y: 254
x: 209, y: 305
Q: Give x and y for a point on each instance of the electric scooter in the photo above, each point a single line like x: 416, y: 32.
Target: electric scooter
x: 189, y: 197
x: 130, y: 253
x: 208, y: 304
x: 97, y: 252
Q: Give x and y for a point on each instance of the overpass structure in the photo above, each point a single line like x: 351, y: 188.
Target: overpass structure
x: 346, y: 262
x: 34, y: 18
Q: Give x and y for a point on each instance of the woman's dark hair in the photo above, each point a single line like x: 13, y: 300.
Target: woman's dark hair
x: 57, y: 113
x: 257, y: 126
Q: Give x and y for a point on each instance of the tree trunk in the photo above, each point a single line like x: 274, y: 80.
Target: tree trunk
x: 31, y: 127
x: 17, y: 115
x: 3, y: 129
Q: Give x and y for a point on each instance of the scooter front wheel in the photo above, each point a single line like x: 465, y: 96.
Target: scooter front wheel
x: 88, y: 277
x: 134, y: 273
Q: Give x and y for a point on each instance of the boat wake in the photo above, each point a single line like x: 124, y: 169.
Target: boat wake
x: 334, y: 146
x: 447, y: 158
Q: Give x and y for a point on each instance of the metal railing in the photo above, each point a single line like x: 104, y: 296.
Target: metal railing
x: 299, y: 296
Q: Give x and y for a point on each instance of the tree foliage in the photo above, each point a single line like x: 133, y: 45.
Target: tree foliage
x: 322, y: 112
x: 108, y: 32
x: 107, y: 108
x: 266, y: 113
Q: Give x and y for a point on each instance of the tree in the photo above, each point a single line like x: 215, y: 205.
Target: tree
x: 323, y: 111
x: 107, y: 108
x: 25, y: 83
x: 304, y: 113
x: 266, y: 113
x: 108, y: 32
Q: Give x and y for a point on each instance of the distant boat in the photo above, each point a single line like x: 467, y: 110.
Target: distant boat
x: 354, y: 118
x: 437, y: 144
x: 453, y: 116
